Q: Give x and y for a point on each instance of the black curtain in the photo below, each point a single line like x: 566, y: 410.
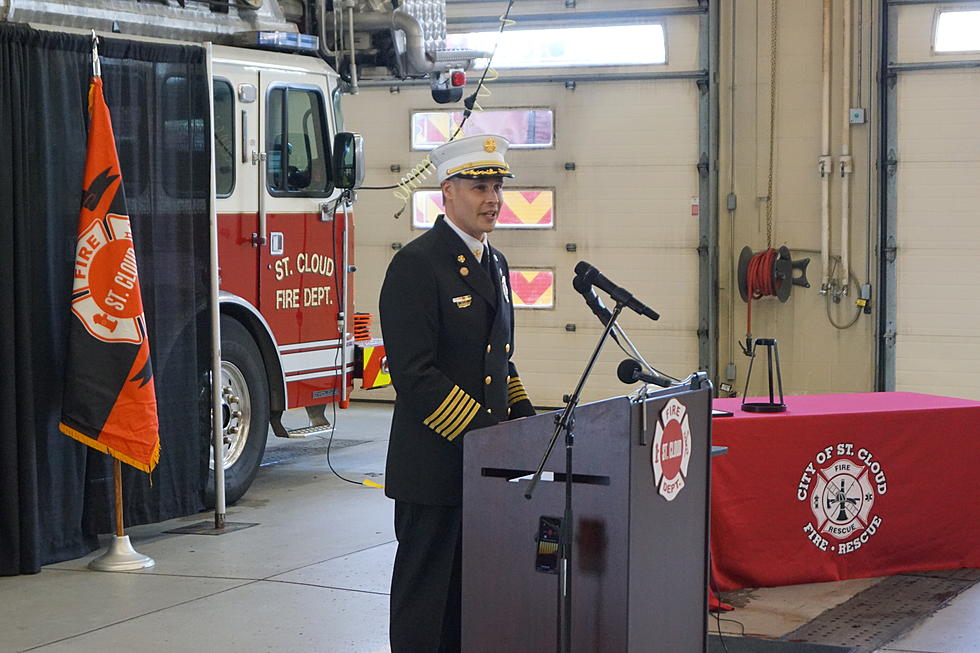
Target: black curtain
x: 55, y: 493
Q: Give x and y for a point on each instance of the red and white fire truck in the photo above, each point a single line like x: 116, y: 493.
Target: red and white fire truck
x: 285, y: 230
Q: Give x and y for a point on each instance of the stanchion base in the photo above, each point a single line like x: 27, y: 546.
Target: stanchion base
x: 763, y: 408
x: 121, y: 556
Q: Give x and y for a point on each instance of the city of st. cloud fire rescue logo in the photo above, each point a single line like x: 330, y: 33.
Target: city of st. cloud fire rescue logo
x: 841, y: 495
x: 671, y: 451
x: 105, y: 294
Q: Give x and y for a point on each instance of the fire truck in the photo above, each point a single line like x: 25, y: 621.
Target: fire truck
x: 285, y: 226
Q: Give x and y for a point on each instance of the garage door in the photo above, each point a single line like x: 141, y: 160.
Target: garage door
x: 608, y: 175
x: 936, y: 147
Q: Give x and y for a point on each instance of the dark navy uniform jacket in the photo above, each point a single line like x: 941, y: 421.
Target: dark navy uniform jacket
x: 448, y: 330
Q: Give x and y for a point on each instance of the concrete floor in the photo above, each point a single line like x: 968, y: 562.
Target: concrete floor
x: 312, y: 574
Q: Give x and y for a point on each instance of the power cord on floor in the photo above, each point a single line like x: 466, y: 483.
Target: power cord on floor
x: 333, y: 428
x: 721, y: 636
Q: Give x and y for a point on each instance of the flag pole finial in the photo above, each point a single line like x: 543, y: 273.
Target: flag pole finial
x: 96, y: 66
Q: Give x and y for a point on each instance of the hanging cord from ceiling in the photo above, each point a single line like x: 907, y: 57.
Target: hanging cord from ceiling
x: 770, y: 200
x: 424, y: 169
x: 760, y: 281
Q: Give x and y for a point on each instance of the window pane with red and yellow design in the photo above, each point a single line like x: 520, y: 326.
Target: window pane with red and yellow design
x: 532, y: 287
x: 523, y: 208
x: 529, y: 128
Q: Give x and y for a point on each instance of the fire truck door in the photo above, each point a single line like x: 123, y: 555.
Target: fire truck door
x: 298, y: 264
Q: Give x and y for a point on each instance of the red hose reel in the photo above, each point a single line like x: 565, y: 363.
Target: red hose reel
x: 771, y: 273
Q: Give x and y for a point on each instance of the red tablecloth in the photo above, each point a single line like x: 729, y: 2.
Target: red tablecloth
x: 845, y: 486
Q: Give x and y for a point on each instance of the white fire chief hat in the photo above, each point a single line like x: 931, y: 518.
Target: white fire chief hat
x: 473, y: 157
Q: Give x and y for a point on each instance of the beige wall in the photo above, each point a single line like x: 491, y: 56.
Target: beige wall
x: 816, y: 356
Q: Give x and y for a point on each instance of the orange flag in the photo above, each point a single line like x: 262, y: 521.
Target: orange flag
x: 109, y: 401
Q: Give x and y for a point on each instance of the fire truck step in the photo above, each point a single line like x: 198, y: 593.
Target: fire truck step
x: 318, y: 415
x: 308, y: 431
x: 319, y: 424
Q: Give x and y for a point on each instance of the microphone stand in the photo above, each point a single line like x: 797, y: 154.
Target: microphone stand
x: 566, y: 421
x: 634, y: 353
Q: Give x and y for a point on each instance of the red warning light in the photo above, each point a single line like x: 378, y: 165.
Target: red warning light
x: 458, y: 78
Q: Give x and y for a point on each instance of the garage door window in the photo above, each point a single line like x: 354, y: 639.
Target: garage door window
x: 606, y: 45
x: 523, y: 208
x: 533, y: 288
x: 957, y: 31
x: 525, y: 128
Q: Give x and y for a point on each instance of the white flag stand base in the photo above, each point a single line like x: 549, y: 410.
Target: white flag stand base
x: 121, y: 556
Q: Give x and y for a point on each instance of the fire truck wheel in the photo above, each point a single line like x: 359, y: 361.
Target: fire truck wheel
x: 244, y: 411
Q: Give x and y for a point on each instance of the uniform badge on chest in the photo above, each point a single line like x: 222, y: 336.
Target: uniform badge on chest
x: 463, y: 301
x: 504, y: 288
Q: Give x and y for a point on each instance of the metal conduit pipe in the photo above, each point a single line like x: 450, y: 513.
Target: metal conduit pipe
x: 557, y: 79
x: 353, y: 62
x: 846, y: 161
x: 415, y: 40
x: 325, y: 52
x: 217, y: 443
x: 869, y: 169
x: 824, y: 162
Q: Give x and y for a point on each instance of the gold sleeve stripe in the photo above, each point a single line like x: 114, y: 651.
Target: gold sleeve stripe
x: 464, y: 422
x: 444, y: 425
x: 450, y: 425
x: 450, y: 400
x: 516, y: 391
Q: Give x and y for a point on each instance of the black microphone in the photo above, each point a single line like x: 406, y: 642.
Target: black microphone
x: 593, y: 277
x: 630, y: 371
x: 592, y: 300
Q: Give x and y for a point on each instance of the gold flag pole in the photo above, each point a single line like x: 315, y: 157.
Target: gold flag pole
x: 117, y: 476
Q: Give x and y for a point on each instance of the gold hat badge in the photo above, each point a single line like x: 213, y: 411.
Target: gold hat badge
x: 490, y: 145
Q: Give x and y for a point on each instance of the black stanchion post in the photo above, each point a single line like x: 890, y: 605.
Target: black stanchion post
x: 565, y: 421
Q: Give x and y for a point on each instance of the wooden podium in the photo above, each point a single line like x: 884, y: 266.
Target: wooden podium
x: 639, y: 560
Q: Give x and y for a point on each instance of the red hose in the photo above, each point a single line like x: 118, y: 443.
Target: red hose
x: 759, y: 279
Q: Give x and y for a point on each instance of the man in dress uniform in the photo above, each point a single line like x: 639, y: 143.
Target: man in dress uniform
x: 448, y: 326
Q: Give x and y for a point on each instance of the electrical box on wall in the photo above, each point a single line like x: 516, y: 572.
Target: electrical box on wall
x: 856, y: 116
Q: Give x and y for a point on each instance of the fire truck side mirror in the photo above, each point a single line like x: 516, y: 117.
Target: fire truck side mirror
x: 348, y: 160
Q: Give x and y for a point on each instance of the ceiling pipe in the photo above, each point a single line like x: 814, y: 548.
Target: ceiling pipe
x: 414, y: 37
x: 354, y: 91
x: 325, y: 52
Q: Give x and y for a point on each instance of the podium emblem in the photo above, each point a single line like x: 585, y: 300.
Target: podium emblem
x: 671, y: 450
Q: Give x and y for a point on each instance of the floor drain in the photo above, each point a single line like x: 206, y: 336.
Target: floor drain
x: 884, y: 611
x: 301, y: 448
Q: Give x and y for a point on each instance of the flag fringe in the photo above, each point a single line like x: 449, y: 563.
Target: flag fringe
x: 118, y: 455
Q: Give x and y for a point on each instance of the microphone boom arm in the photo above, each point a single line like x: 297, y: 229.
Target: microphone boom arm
x: 633, y: 352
